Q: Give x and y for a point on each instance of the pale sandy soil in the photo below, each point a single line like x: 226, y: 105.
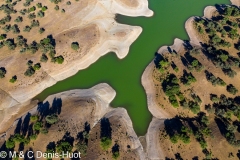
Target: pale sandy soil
x: 91, y: 23
x: 79, y: 107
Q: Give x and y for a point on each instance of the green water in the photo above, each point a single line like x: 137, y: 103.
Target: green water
x: 125, y: 75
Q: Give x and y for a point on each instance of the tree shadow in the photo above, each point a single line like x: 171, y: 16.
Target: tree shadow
x: 25, y: 124
x: 106, y: 130
x: 43, y: 109
x: 195, y: 158
x: 221, y: 125
x: 51, y: 146
x: 178, y: 156
x: 56, y: 106
x: 18, y: 127
x: 157, y: 59
x: 68, y: 138
x: 187, y: 45
x: 115, y: 148
x: 172, y: 126
x: 184, y: 61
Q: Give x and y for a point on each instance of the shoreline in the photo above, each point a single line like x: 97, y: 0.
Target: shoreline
x: 108, y: 42
x: 102, y: 94
x: 158, y: 114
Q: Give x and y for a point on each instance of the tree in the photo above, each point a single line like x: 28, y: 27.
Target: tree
x: 36, y: 66
x: 59, y: 59
x: 13, y: 79
x: 82, y: 148
x: 10, y: 144
x: 44, y: 58
x: 75, y: 46
x: 29, y: 72
x: 34, y: 118
x: 41, y: 30
x: 37, y: 126
x: 105, y: 143
x: 2, y: 72
x: 44, y: 8
x: 51, y: 119
x: 232, y: 89
x: 64, y: 146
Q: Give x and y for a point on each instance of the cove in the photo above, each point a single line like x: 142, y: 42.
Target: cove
x: 124, y: 76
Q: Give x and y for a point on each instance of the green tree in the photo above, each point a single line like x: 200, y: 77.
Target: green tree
x: 13, y: 79
x: 75, y: 46
x: 82, y: 148
x: 37, y: 126
x: 51, y: 119
x: 10, y: 144
x: 105, y: 143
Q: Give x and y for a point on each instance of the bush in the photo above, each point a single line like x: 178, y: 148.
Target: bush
x: 41, y: 30
x: 231, y: 89
x: 36, y: 66
x: 44, y: 58
x: 13, y: 79
x: 105, y: 143
x: 44, y: 8
x: 51, y: 119
x: 44, y: 131
x: 2, y: 72
x: 64, y: 146
x: 34, y: 118
x: 59, y: 59
x: 37, y: 126
x: 33, y: 137
x: 56, y: 7
x: 82, y: 148
x: 75, y: 46
x: 115, y: 155
x: 29, y: 72
x: 10, y: 144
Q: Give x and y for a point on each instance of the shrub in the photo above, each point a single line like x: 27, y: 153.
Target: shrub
x: 44, y: 8
x: 75, y: 46
x: 56, y: 7
x: 64, y: 146
x: 44, y: 58
x: 115, y: 154
x: 44, y: 131
x: 82, y: 148
x: 33, y: 137
x: 37, y: 126
x: 41, y: 30
x: 59, y: 59
x: 68, y: 3
x: 105, y: 143
x: 29, y: 72
x: 174, y: 138
x: 13, y: 79
x: 51, y: 119
x: 39, y: 5
x: 10, y: 144
x: 34, y: 118
x: 36, y: 66
x: 3, y: 36
x: 231, y: 89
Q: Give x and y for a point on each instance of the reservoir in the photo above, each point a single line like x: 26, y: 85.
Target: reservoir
x: 124, y: 76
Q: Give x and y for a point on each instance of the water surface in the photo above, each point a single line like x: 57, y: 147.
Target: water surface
x: 125, y: 75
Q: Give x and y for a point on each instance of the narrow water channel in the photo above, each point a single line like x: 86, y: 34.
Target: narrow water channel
x: 125, y: 75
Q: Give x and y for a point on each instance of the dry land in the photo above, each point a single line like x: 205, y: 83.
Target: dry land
x: 193, y: 90
x: 83, y: 120
x: 43, y: 42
